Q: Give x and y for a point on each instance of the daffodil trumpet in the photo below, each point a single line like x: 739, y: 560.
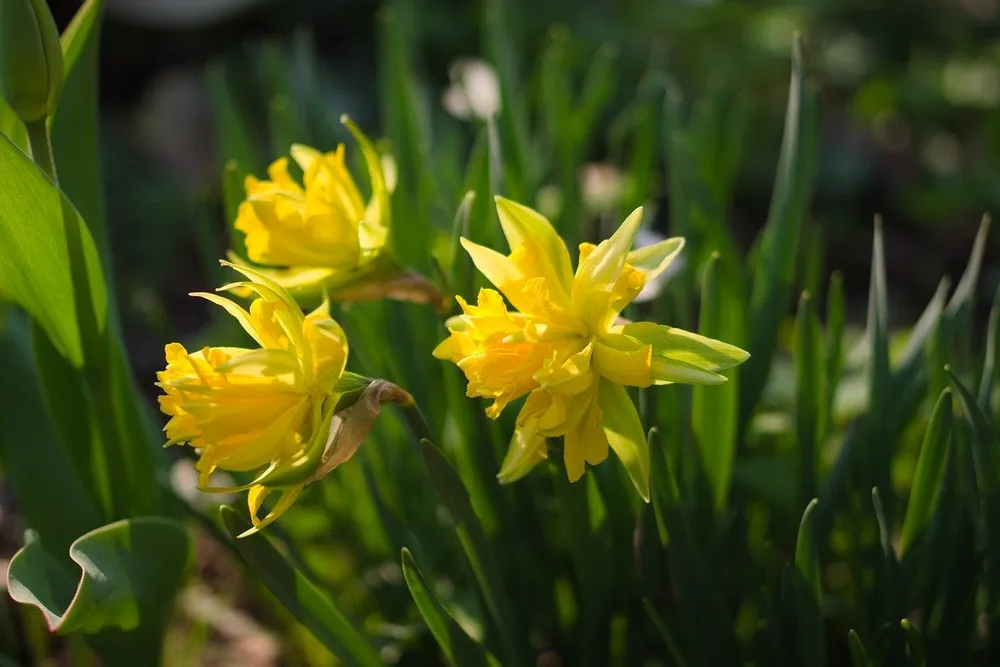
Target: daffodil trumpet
x: 564, y: 345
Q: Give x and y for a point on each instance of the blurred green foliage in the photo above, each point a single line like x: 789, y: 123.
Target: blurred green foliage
x: 413, y: 552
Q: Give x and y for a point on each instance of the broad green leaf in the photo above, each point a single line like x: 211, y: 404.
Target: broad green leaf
x: 35, y: 461
x: 35, y: 269
x: 68, y: 409
x: 929, y: 476
x: 477, y: 549
x: 12, y: 126
x: 807, y: 552
x: 459, y: 649
x: 300, y: 595
x: 624, y: 431
x: 810, y: 394
x: 714, y: 409
x: 130, y: 571
x: 74, y: 127
x: 776, y: 259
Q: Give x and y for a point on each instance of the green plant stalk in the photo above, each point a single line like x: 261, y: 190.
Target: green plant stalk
x: 97, y: 362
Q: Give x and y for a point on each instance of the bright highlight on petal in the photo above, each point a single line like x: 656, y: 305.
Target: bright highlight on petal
x: 561, y: 344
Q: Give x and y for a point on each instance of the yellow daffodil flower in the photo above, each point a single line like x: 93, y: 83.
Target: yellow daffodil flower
x: 269, y: 407
x: 323, y: 223
x: 565, y: 345
x: 320, y: 238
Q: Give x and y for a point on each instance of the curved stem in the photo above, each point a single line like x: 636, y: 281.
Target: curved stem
x: 41, y: 148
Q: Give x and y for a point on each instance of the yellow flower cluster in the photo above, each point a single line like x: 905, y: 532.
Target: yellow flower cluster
x: 566, y: 346
x: 561, y: 341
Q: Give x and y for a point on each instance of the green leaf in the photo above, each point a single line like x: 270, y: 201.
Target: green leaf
x: 833, y: 351
x: 300, y: 596
x: 130, y: 570
x: 664, y: 632
x: 714, y: 409
x: 776, y: 260
x: 986, y: 380
x: 859, y: 657
x: 810, y: 394
x: 65, y: 395
x: 984, y: 442
x: 232, y: 127
x: 74, y: 127
x: 625, y: 434
x: 877, y: 454
x: 476, y: 547
x: 807, y: 552
x: 35, y: 269
x: 233, y: 194
x: 12, y: 126
x: 929, y: 476
x: 35, y: 461
x: 459, y: 649
x: 914, y: 643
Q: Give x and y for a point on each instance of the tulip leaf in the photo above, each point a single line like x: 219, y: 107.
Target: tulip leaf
x: 300, y: 596
x: 35, y: 461
x: 75, y: 141
x: 120, y: 585
x: 37, y: 226
x: 929, y: 476
x: 459, y: 649
x: 130, y: 570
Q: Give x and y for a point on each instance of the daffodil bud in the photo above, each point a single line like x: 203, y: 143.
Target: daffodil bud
x: 31, y: 59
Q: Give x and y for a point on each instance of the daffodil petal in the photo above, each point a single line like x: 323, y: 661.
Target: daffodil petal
x: 653, y: 259
x: 683, y: 346
x: 497, y: 267
x: 623, y: 360
x: 598, y: 272
x: 256, y: 498
x: 666, y: 371
x: 526, y: 450
x: 234, y: 309
x: 524, y: 225
x: 624, y: 432
x: 585, y: 442
x: 380, y: 213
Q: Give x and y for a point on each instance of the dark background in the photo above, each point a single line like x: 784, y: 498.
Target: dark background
x: 910, y: 117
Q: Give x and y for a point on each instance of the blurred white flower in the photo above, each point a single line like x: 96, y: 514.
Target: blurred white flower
x: 474, y: 91
x: 601, y: 186
x: 647, y: 237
